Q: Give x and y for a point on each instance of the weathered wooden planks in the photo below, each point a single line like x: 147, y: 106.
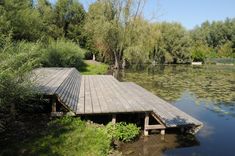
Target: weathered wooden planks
x: 169, y: 114
x: 114, y: 96
x: 97, y: 94
x: 63, y: 82
x: 104, y: 94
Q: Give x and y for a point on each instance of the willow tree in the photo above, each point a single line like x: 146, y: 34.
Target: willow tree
x: 141, y: 42
x: 109, y: 26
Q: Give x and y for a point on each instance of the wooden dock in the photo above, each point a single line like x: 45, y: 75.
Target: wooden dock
x: 103, y: 94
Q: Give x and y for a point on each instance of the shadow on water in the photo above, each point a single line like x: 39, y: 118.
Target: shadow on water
x: 156, y: 144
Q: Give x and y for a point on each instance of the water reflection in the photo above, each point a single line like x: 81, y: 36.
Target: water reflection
x: 155, y: 145
x: 205, y: 92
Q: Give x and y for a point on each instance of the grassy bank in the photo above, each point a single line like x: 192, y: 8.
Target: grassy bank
x: 62, y: 136
x: 93, y: 68
x: 70, y: 136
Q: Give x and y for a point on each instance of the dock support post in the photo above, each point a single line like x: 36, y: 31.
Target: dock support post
x: 146, y: 123
x: 182, y: 129
x: 113, y: 118
x: 53, y: 105
x: 163, y: 132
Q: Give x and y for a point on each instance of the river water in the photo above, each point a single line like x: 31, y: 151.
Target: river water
x: 205, y: 92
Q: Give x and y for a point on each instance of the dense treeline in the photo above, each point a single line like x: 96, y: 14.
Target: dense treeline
x: 39, y: 20
x: 118, y: 31
x: 115, y: 31
x: 213, y: 39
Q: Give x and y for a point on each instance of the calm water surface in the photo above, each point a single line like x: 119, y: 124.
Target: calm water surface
x: 205, y: 92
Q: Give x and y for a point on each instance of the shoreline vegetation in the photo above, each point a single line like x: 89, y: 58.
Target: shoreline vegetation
x: 64, y: 136
x: 40, y: 34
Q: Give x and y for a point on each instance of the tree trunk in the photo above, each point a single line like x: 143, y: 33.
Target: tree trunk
x: 116, y: 73
x: 13, y: 110
x: 123, y: 64
x: 93, y: 57
x: 117, y: 61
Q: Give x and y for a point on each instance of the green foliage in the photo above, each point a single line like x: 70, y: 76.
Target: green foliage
x: 218, y: 36
x: 141, y: 42
x: 62, y: 136
x: 123, y: 131
x: 119, y: 35
x: 22, y: 20
x: 115, y: 31
x: 200, y: 52
x: 15, y: 88
x: 173, y: 44
x: 18, y: 59
x: 62, y: 53
x: 114, y: 22
x: 4, y: 23
x: 135, y: 55
x: 69, y: 16
x: 226, y: 50
x: 34, y: 20
x: 16, y: 91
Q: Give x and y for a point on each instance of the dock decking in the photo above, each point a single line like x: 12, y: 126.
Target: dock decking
x: 103, y: 94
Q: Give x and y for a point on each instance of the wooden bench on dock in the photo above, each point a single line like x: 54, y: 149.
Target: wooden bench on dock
x: 103, y: 94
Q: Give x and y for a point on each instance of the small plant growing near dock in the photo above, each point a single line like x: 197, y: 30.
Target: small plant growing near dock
x: 123, y: 131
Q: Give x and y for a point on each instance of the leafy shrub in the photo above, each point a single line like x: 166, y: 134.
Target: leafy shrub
x: 62, y: 53
x: 15, y: 88
x: 19, y: 58
x: 122, y: 131
x: 16, y: 61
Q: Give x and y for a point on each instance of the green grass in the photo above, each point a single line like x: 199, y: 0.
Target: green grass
x: 94, y: 68
x: 71, y: 136
x: 64, y: 136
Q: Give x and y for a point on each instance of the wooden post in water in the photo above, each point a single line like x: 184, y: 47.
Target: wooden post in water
x: 163, y: 132
x: 146, y: 123
x: 113, y: 118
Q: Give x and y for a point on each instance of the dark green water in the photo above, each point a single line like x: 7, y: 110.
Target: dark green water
x: 205, y: 92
